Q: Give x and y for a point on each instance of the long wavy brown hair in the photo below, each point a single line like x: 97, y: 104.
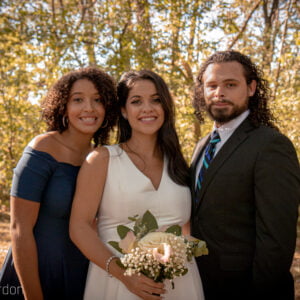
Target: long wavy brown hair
x: 167, y: 140
x: 260, y: 113
x: 55, y: 103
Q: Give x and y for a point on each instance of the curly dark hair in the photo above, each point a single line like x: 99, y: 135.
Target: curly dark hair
x: 260, y: 113
x: 55, y: 103
x: 167, y: 137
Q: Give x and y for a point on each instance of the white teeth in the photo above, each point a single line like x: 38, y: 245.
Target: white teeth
x: 148, y: 119
x: 88, y: 119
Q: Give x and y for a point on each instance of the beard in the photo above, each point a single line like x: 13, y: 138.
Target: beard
x: 225, y: 114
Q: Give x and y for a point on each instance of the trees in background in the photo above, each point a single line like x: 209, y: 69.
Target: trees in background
x: 41, y: 40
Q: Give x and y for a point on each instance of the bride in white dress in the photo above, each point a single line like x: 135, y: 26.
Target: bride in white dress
x: 145, y: 171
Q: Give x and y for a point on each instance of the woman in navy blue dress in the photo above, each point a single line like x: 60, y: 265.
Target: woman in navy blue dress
x: 80, y: 112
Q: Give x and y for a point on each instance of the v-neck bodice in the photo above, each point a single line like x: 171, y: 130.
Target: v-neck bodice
x: 134, y: 168
x: 127, y: 193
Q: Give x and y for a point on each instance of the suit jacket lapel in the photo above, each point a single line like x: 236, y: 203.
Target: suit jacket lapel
x: 238, y: 137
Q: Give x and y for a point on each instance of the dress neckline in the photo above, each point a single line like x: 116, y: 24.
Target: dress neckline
x: 141, y: 173
x: 51, y: 157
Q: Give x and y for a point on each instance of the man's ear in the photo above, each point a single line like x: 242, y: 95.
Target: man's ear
x: 252, y: 88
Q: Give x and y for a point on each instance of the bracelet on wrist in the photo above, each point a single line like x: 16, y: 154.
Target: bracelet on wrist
x: 108, y: 263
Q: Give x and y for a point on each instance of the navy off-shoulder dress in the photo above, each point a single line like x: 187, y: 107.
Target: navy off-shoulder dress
x: 40, y: 178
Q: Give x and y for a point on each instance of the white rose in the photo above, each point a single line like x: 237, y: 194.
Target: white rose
x: 155, y: 240
x: 159, y: 243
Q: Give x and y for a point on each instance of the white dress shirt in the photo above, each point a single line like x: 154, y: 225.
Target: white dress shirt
x: 225, y: 131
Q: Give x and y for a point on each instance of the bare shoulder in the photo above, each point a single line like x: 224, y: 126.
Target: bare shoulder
x: 98, y: 157
x: 94, y: 168
x: 45, y: 142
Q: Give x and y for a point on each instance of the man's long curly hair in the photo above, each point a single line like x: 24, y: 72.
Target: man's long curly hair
x: 54, y: 105
x: 260, y: 113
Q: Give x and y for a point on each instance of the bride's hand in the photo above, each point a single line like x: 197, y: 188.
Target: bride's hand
x: 144, y: 287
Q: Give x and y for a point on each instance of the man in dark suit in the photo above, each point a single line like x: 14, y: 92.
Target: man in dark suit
x: 246, y: 185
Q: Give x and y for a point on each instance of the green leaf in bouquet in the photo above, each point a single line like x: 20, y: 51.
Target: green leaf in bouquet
x: 175, y: 229
x: 116, y: 246
x: 149, y: 221
x: 139, y: 228
x: 200, y: 249
x: 119, y: 263
x: 134, y: 218
x: 137, y: 225
x: 184, y: 272
x: 122, y: 231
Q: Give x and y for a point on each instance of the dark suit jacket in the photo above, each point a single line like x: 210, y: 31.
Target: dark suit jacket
x: 247, y: 213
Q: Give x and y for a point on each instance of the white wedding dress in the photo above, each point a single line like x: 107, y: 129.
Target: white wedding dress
x: 128, y: 192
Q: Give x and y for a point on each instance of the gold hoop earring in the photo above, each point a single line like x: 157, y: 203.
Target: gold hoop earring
x: 104, y: 126
x: 65, y: 121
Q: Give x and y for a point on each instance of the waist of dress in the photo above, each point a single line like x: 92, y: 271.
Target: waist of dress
x: 51, y: 225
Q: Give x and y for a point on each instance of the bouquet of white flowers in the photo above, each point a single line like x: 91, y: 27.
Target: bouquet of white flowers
x: 156, y: 254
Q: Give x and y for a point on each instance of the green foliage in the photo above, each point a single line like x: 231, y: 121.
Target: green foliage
x: 122, y: 231
x: 115, y: 245
x: 41, y: 40
x: 144, y: 224
x: 199, y: 248
x: 175, y: 229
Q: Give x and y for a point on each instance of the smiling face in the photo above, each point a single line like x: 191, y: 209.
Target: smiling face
x: 226, y: 91
x: 85, y: 110
x: 143, y: 108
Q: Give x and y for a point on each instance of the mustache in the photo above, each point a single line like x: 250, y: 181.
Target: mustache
x: 221, y: 101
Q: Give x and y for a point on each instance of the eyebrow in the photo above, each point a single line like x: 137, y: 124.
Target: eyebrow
x: 80, y: 93
x: 225, y: 80
x: 138, y: 96
x: 231, y: 79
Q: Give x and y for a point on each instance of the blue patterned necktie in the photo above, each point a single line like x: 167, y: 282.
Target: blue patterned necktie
x: 208, y: 156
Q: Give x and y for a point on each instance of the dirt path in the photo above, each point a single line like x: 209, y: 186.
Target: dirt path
x: 5, y: 243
